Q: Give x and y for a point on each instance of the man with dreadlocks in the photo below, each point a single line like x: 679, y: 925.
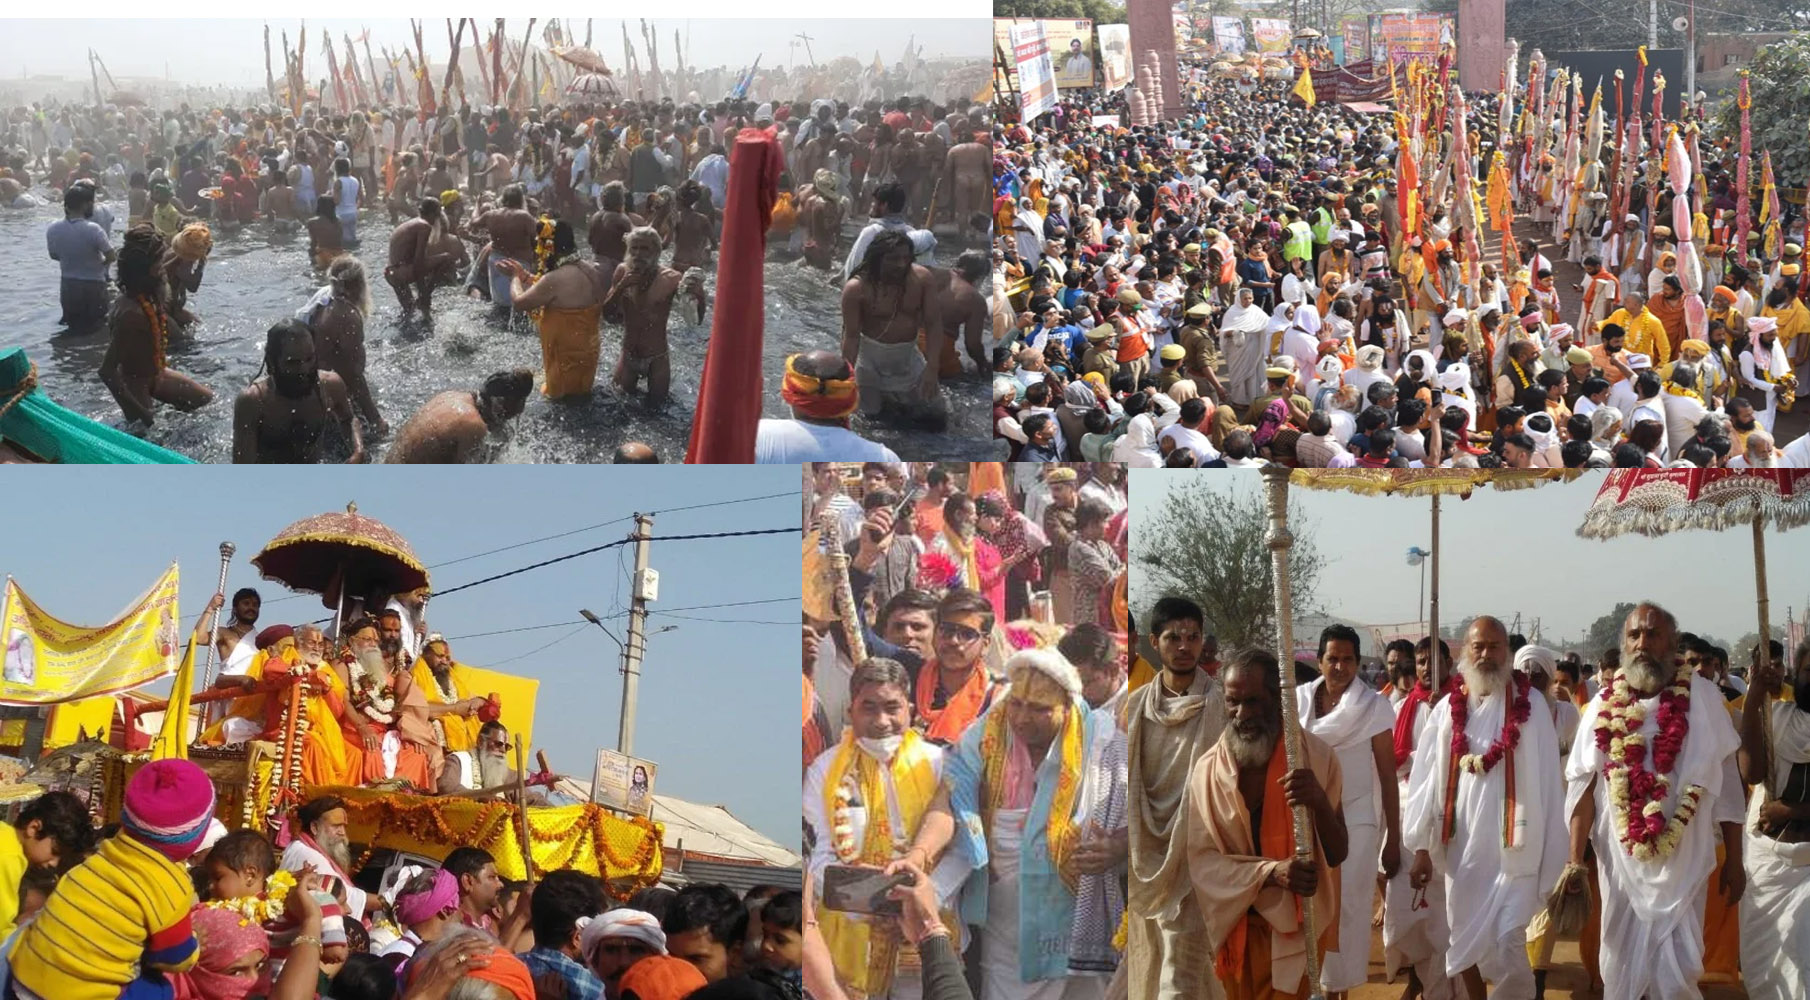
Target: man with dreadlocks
x: 414, y: 261
x: 646, y: 290
x: 337, y: 315
x: 133, y: 368
x: 565, y: 299
x: 512, y: 231
x: 282, y: 415
x: 884, y: 306
x: 820, y: 388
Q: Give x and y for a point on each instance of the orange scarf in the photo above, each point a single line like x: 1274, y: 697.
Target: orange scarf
x: 1276, y: 841
x: 946, y: 724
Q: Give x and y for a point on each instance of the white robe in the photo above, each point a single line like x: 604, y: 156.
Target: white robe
x: 1416, y: 937
x: 1492, y: 892
x: 1652, y: 929
x: 1244, y: 342
x: 411, y: 630
x: 1775, y: 909
x: 1359, y: 716
x: 299, y: 855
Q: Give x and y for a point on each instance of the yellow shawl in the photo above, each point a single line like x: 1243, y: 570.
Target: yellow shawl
x: 461, y: 732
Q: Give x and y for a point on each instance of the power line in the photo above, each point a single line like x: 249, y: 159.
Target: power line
x: 673, y: 613
x: 605, y: 524
x: 612, y: 545
x: 732, y: 604
x: 538, y: 649
x: 733, y: 621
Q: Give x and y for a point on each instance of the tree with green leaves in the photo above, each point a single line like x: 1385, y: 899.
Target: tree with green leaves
x: 1207, y: 544
x: 1780, y: 84
x: 1097, y: 11
x: 1605, y: 632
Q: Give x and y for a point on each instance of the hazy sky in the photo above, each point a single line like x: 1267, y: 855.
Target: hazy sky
x: 231, y: 50
x: 717, y: 695
x: 1504, y: 552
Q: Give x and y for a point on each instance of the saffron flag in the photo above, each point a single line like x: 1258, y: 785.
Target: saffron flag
x: 1304, y: 87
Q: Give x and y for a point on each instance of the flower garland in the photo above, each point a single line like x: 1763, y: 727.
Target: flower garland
x: 1674, y: 389
x: 1636, y: 792
x: 262, y: 908
x: 543, y: 245
x: 1521, y: 379
x: 159, y: 328
x: 1461, y: 760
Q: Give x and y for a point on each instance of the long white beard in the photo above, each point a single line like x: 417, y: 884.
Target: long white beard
x: 375, y: 666
x: 491, y: 768
x: 339, y: 851
x: 1482, y: 683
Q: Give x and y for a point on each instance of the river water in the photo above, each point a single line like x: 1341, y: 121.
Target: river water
x: 254, y: 278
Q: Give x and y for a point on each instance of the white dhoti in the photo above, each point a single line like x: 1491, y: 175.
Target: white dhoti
x: 1350, y: 965
x: 1775, y: 919
x: 1415, y: 935
x: 888, y: 373
x: 999, y: 975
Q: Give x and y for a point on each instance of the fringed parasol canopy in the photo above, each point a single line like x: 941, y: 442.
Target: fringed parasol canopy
x: 1425, y: 482
x: 1656, y: 502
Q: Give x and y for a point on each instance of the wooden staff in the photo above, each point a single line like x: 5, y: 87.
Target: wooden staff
x: 930, y: 213
x: 371, y: 67
x: 497, y: 35
x: 95, y: 74
x: 587, y: 32
x: 478, y: 43
x: 844, y: 593
x: 521, y: 807
x: 1764, y: 605
x: 1280, y: 540
x: 516, y: 80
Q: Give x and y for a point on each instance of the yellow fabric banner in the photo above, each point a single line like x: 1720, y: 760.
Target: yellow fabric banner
x: 49, y: 661
x: 517, y: 695
x: 172, y: 740
x: 1304, y: 87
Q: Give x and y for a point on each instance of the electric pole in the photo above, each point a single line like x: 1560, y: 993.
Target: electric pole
x: 1652, y: 24
x: 643, y: 588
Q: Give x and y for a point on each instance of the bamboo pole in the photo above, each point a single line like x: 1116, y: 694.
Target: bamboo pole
x: 497, y: 35
x: 1763, y: 604
x: 371, y: 67
x: 515, y: 79
x: 96, y: 76
x: 478, y: 43
x: 270, y: 80
x: 1280, y: 540
x: 452, y: 64
x: 521, y: 812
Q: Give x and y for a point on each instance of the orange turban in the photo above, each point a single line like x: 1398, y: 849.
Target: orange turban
x: 1723, y: 293
x: 660, y: 977
x: 817, y: 398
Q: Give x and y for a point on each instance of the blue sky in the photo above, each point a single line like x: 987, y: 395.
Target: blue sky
x: 1516, y: 551
x: 718, y: 695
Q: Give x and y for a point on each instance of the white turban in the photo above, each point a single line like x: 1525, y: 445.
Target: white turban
x: 1456, y: 377
x: 1456, y: 317
x: 620, y: 923
x: 1762, y: 324
x: 1048, y: 662
x: 1534, y: 660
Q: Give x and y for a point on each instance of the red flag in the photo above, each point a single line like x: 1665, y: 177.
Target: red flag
x: 729, y: 394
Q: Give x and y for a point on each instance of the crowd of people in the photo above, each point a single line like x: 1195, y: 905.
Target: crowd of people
x: 1512, y: 798
x: 167, y: 904
x: 960, y: 741
x: 575, y: 216
x: 1264, y: 278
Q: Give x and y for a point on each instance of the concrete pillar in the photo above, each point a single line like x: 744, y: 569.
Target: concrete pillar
x: 1482, y: 43
x: 1153, y: 30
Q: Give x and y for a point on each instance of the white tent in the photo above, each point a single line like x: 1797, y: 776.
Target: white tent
x: 708, y: 838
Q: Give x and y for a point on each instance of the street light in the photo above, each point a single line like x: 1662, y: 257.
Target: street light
x: 625, y: 726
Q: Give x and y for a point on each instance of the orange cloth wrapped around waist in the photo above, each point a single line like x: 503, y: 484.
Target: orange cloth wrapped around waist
x: 570, y: 344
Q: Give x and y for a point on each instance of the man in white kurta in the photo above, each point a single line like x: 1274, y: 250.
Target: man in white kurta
x: 1357, y: 723
x: 1494, y: 883
x: 1414, y: 920
x: 909, y: 769
x: 1652, y: 929
x: 1775, y: 911
x: 1169, y: 723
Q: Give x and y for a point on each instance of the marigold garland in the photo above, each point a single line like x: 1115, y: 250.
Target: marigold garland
x: 160, y: 328
x: 261, y: 908
x: 1637, y: 793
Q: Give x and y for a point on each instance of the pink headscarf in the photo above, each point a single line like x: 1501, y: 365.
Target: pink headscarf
x: 424, y: 906
x: 225, y: 937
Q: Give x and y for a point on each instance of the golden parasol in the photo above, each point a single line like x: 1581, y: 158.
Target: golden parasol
x: 1656, y: 502
x: 339, y: 553
x: 583, y: 58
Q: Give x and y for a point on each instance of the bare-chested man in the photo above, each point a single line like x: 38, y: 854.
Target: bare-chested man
x: 455, y: 427
x: 282, y: 417
x: 645, y: 291
x: 965, y: 313
x: 820, y: 218
x: 884, y: 305
x: 337, y: 315
x: 512, y: 230
x: 414, y: 260
x: 246, y: 604
x: 440, y: 178
x: 139, y: 326
x: 610, y: 228
x: 965, y: 180
x: 405, y: 193
x: 693, y: 235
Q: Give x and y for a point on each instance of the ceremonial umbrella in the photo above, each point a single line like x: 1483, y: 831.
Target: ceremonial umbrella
x: 1656, y: 502
x: 1433, y: 483
x: 593, y: 85
x: 583, y: 58
x: 336, y: 553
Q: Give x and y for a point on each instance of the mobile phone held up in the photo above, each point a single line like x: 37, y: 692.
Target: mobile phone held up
x: 850, y: 889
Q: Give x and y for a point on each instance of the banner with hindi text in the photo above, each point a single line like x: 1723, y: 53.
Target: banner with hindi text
x: 1036, y: 74
x: 1408, y: 37
x: 1270, y: 34
x: 1070, y: 43
x: 49, y: 661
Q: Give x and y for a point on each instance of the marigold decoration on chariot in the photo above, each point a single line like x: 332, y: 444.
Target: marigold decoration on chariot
x: 1638, y: 793
x: 262, y: 908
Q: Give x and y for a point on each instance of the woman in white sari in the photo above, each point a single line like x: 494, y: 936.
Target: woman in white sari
x: 1242, y: 338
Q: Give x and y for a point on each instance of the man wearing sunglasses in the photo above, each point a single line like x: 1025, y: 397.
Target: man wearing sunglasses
x: 953, y: 689
x: 486, y: 766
